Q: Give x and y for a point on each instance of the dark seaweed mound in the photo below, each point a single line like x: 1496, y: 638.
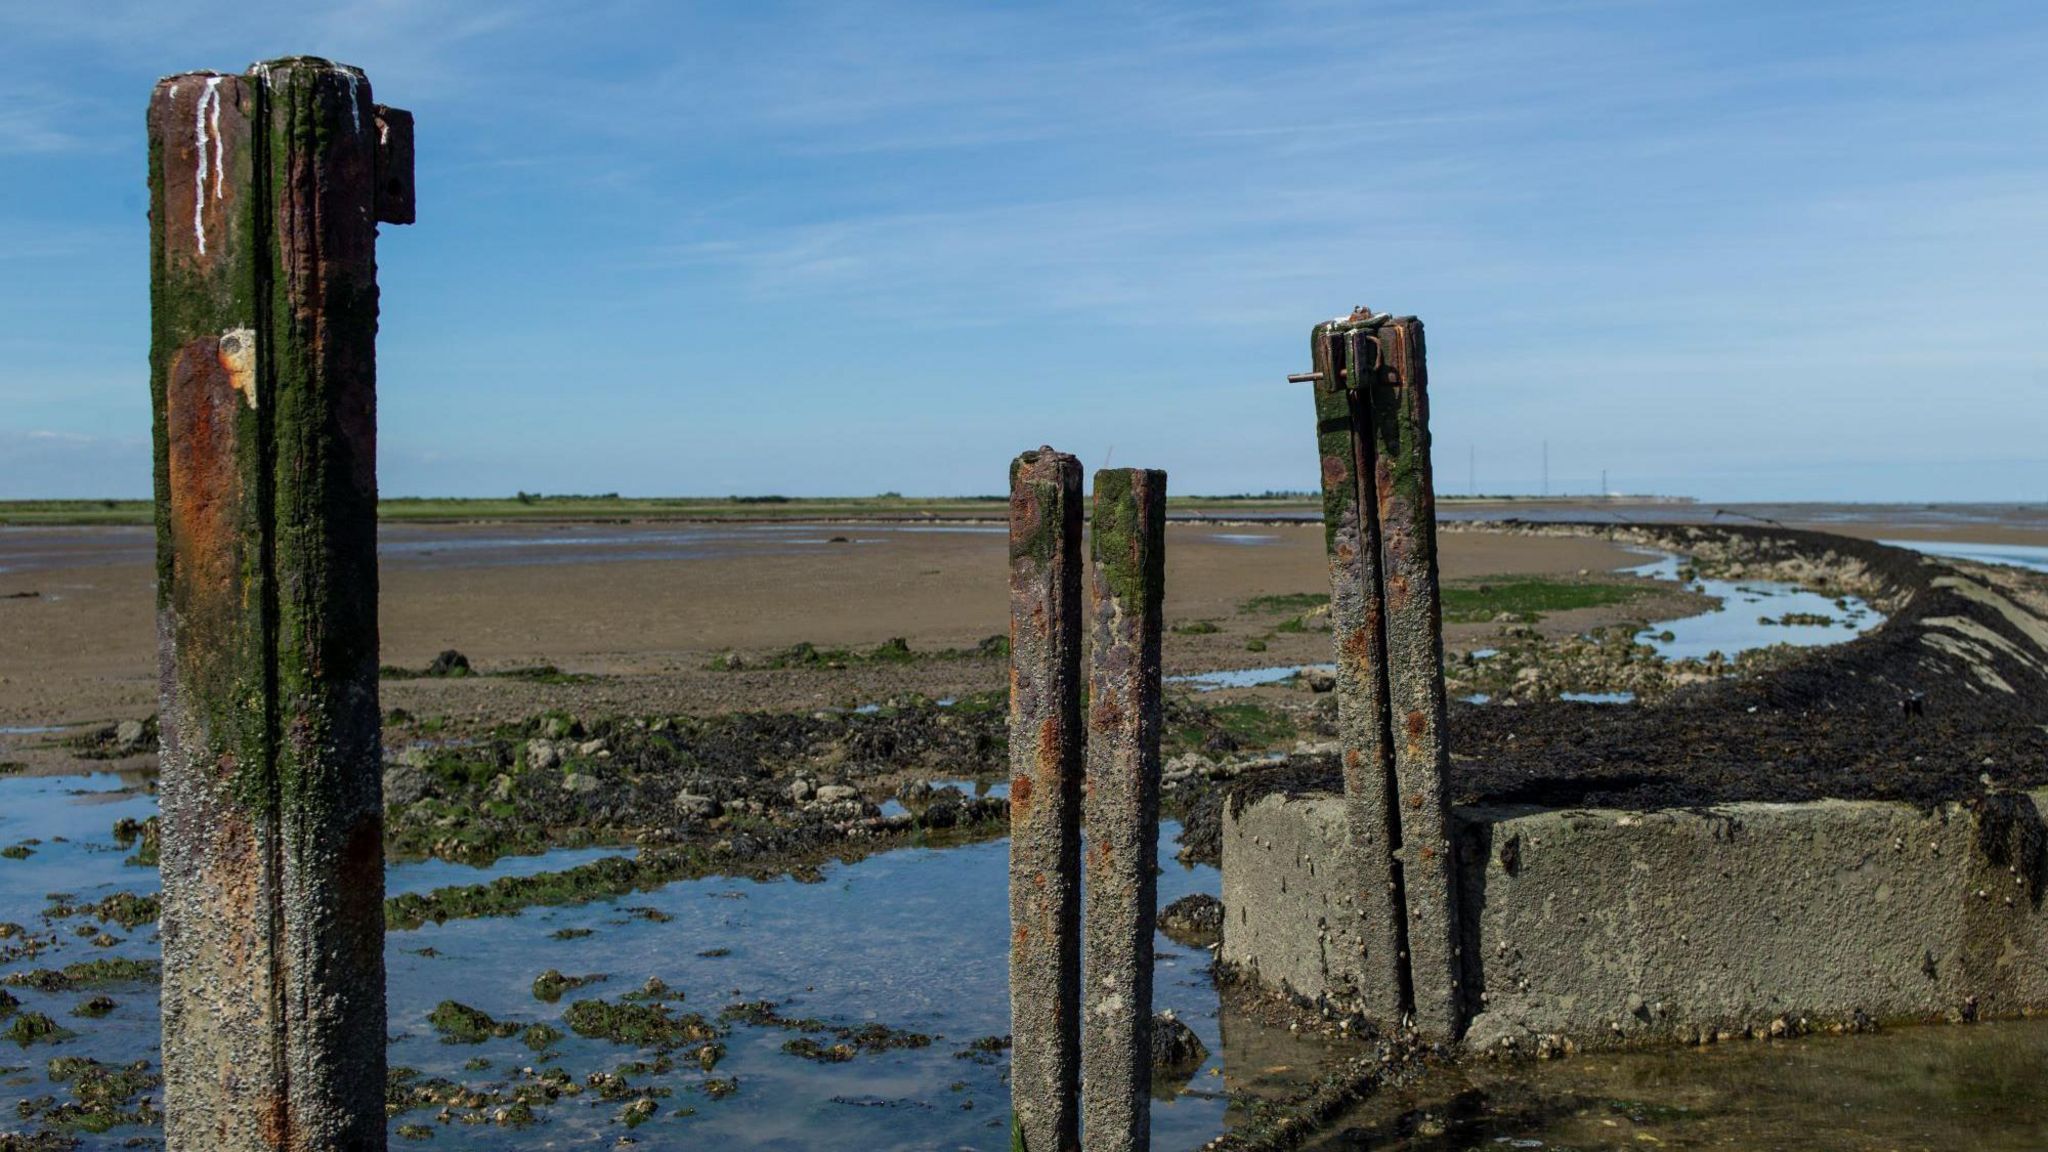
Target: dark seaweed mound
x: 1885, y: 716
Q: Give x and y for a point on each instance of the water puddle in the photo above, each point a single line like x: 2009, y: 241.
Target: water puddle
x: 1599, y: 697
x: 426, y: 875
x: 1928, y: 1089
x: 1247, y: 677
x: 2033, y: 556
x: 70, y: 818
x: 1753, y: 614
x: 913, y: 938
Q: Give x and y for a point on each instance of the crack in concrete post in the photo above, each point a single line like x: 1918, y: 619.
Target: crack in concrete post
x: 1128, y: 542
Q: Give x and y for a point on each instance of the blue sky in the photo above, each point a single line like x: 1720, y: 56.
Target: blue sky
x: 1733, y: 250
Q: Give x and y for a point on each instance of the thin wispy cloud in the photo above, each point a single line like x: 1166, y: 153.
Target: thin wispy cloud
x: 1627, y: 225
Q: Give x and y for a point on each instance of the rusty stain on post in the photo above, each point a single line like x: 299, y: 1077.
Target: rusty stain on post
x: 265, y: 195
x: 1399, y: 399
x: 1045, y: 800
x: 222, y: 1016
x: 1370, y: 934
x: 1122, y: 807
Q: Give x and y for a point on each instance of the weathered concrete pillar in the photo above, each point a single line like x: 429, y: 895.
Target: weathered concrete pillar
x: 1122, y: 808
x: 266, y: 190
x: 1375, y: 930
x: 1372, y: 424
x: 1045, y: 801
x: 1399, y: 393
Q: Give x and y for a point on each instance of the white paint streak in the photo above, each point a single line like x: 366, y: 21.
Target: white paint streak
x: 355, y: 116
x: 206, y: 129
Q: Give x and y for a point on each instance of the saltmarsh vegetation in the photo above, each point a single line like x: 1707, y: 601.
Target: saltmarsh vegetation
x: 1517, y: 599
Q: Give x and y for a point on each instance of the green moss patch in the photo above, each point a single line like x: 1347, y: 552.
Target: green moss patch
x: 549, y: 986
x: 460, y: 1024
x: 87, y: 974
x: 145, y: 836
x: 1244, y: 726
x: 839, y: 1042
x: 1531, y: 598
x: 127, y: 909
x: 103, y: 1096
x: 1284, y: 604
x: 643, y: 1025
x: 34, y: 1027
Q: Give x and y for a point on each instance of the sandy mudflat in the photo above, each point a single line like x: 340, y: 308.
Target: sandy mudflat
x: 648, y: 606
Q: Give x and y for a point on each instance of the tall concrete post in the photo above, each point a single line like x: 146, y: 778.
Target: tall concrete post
x: 265, y: 194
x: 1399, y: 398
x: 1045, y: 801
x: 1122, y: 808
x: 1373, y: 936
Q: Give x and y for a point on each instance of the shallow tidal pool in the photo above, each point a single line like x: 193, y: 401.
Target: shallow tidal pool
x: 915, y: 939
x: 1913, y: 1089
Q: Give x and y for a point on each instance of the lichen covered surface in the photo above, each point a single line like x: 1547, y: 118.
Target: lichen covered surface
x: 1122, y: 806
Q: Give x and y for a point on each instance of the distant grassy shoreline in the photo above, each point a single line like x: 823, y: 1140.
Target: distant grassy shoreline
x: 735, y: 509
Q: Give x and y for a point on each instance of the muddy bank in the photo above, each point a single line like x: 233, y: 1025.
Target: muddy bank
x: 639, y: 634
x: 1950, y: 691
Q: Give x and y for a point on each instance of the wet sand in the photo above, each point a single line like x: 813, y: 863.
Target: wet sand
x: 646, y: 607
x: 587, y: 599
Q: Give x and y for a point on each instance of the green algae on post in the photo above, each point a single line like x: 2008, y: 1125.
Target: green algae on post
x: 266, y: 190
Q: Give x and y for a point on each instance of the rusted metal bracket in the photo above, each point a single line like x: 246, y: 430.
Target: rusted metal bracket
x: 394, y: 166
x: 1363, y: 320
